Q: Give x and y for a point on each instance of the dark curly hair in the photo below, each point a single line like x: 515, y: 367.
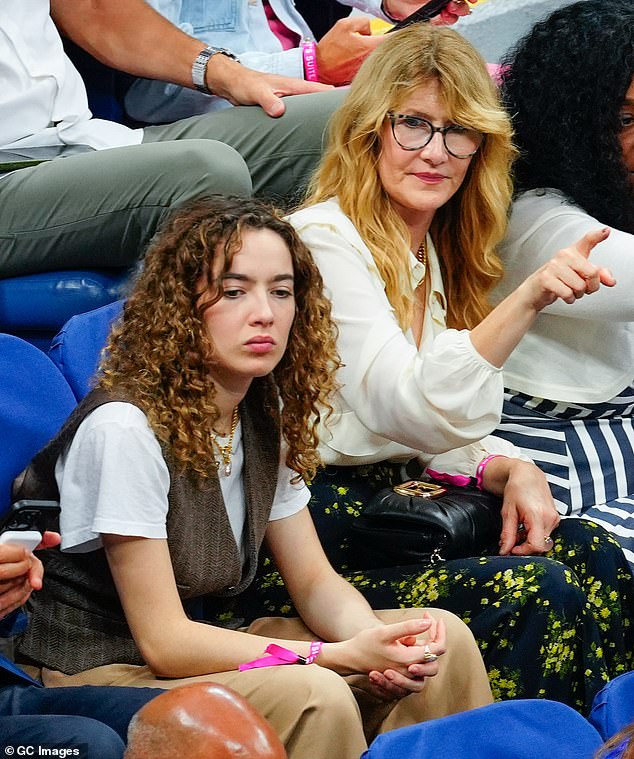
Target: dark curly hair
x: 564, y: 86
x: 160, y: 352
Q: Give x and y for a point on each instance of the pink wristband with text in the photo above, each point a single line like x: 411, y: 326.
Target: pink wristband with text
x: 483, y: 465
x: 309, y: 54
x: 279, y: 655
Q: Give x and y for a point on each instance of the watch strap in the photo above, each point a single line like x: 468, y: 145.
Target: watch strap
x: 199, y: 67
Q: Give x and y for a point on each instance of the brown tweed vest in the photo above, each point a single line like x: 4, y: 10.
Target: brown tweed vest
x: 76, y: 621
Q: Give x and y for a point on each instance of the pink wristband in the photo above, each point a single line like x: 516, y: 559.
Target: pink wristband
x: 309, y: 54
x: 483, y: 465
x: 279, y: 655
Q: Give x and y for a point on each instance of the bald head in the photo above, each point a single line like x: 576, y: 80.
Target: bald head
x: 201, y: 721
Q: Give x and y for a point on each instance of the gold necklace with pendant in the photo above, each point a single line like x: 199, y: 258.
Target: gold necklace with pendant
x: 225, y: 451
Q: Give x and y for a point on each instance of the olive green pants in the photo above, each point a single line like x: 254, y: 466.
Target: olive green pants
x: 99, y: 209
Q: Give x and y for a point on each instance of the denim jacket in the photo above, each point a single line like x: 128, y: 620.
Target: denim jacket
x: 238, y: 25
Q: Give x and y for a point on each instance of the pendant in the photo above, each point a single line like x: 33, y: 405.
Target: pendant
x: 227, y: 468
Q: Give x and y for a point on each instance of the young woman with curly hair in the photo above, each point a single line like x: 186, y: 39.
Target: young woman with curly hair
x: 404, y: 216
x: 186, y: 456
x: 570, y: 398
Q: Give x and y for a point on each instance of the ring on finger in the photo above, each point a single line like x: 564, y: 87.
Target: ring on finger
x: 548, y: 540
x: 428, y: 654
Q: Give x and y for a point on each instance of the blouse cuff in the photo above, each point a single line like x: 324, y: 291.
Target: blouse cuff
x: 463, y: 462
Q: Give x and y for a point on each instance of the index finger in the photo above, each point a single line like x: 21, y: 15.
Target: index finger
x: 534, y: 543
x: 404, y: 629
x: 587, y: 243
x: 508, y: 536
x: 49, y: 540
x: 441, y: 634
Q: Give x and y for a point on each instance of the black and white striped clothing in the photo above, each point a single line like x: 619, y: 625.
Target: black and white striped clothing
x: 586, y: 452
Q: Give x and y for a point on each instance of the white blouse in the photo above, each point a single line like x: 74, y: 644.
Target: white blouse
x: 43, y: 99
x: 581, y: 352
x: 398, y: 401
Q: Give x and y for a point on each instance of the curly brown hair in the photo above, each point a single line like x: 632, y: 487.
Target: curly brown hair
x: 159, y: 352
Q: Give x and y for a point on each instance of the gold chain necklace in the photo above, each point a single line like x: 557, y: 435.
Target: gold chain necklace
x: 421, y: 253
x: 226, y: 450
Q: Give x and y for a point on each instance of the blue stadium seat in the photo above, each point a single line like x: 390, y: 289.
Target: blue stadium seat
x: 35, y: 400
x: 523, y: 729
x: 613, y: 706
x: 76, y: 348
x: 36, y: 306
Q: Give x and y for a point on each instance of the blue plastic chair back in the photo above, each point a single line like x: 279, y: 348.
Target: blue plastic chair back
x: 77, y: 347
x: 35, y: 400
x: 507, y: 730
x: 613, y: 706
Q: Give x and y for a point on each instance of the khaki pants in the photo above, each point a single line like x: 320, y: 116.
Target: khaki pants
x: 316, y: 713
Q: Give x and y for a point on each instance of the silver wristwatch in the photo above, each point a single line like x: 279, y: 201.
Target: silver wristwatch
x: 199, y: 67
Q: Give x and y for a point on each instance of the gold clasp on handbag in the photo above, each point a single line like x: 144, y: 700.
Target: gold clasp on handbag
x: 420, y: 489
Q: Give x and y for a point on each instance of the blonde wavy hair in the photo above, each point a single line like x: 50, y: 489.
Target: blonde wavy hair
x: 467, y: 229
x: 159, y: 353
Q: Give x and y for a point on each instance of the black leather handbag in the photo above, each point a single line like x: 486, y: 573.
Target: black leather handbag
x: 426, y: 522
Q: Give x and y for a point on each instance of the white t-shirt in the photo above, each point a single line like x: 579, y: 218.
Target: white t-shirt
x: 113, y: 479
x: 43, y: 99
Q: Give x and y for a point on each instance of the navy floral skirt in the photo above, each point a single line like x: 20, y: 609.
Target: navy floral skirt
x: 556, y: 627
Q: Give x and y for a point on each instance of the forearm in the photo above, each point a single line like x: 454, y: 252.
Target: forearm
x: 185, y: 648
x: 334, y: 610
x: 498, y: 334
x: 129, y: 35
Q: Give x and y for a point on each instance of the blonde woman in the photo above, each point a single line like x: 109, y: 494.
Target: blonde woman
x: 403, y: 219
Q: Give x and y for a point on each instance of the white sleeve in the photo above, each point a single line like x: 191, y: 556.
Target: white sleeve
x: 465, y: 460
x: 432, y: 400
x: 540, y: 226
x: 112, y: 479
x: 289, y: 498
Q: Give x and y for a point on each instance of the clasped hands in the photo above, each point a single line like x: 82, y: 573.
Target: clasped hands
x: 393, y: 656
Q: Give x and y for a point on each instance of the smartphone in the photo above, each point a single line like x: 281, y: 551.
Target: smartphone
x: 425, y: 13
x: 27, y: 521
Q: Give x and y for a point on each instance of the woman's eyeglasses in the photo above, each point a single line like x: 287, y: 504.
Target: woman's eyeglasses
x: 414, y: 133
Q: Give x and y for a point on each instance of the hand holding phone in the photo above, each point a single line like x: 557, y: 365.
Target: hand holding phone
x: 451, y: 10
x: 425, y: 13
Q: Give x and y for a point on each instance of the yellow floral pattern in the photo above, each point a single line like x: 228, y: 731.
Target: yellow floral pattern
x: 554, y: 627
